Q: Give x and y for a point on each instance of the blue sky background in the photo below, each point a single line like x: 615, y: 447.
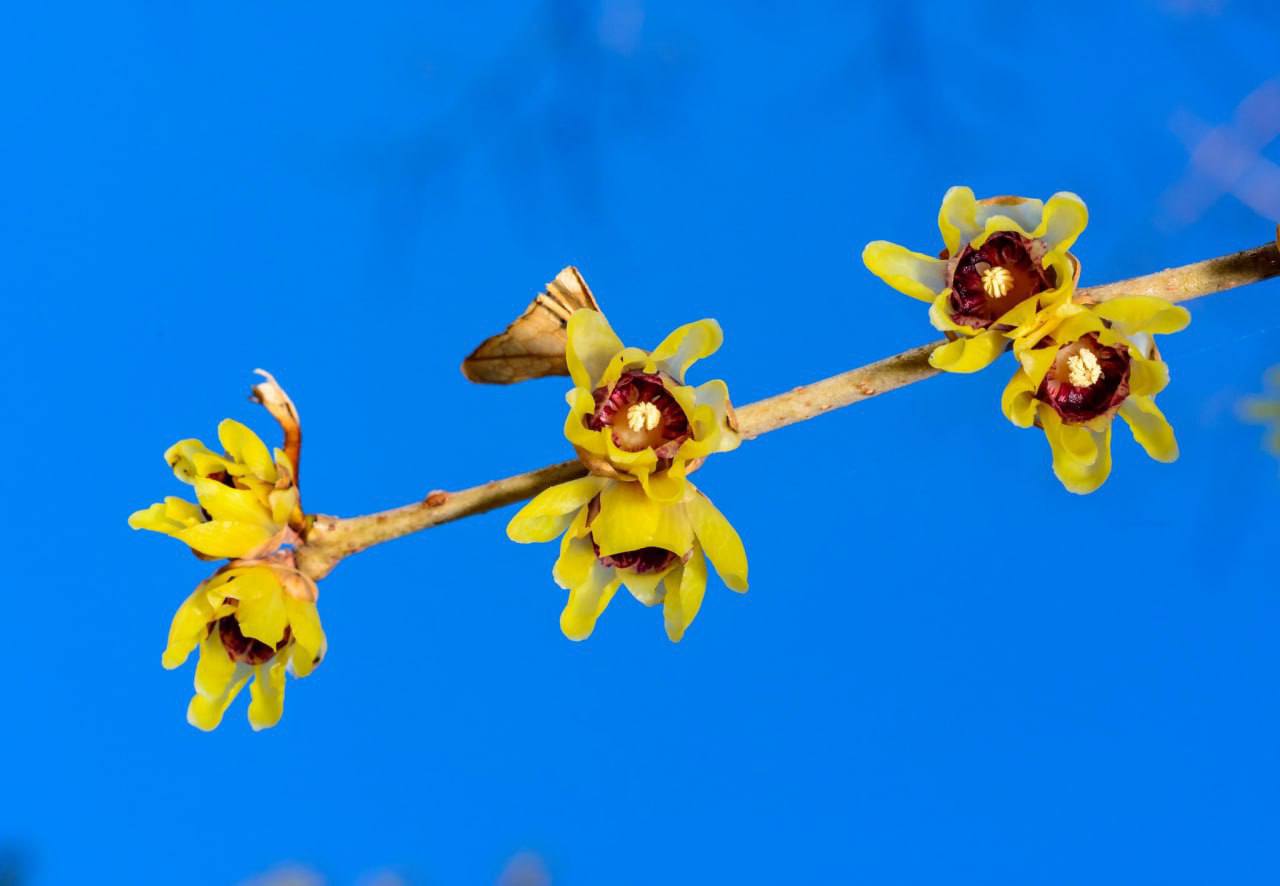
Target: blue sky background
x: 947, y: 670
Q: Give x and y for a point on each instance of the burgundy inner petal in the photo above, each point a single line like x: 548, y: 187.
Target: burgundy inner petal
x: 972, y: 304
x: 641, y: 412
x: 246, y: 649
x: 1082, y: 403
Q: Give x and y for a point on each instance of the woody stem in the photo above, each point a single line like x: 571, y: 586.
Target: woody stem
x: 330, y: 539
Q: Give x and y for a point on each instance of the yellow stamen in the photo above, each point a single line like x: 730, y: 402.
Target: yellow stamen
x: 1083, y: 369
x: 643, y: 417
x: 997, y: 282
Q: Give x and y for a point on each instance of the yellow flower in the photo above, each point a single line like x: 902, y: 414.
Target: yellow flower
x: 632, y: 417
x: 1266, y: 411
x: 251, y: 620
x: 614, y: 534
x: 1080, y: 367
x: 1005, y: 259
x: 246, y: 498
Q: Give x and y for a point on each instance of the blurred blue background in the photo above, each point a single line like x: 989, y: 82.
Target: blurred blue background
x: 947, y: 670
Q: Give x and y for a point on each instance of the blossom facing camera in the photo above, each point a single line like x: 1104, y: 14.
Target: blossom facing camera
x: 614, y: 535
x: 631, y: 415
x: 1079, y: 367
x: 246, y: 498
x: 1005, y: 259
x: 252, y: 621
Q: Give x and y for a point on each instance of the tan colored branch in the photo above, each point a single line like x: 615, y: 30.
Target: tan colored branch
x: 330, y: 539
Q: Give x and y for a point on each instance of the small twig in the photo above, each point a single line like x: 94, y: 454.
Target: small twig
x: 330, y: 539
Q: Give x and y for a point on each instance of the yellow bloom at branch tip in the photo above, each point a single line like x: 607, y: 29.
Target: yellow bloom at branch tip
x: 631, y: 415
x: 614, y: 535
x: 1078, y: 368
x: 1004, y: 260
x: 252, y: 621
x: 246, y: 497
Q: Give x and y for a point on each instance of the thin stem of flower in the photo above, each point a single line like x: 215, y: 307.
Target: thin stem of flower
x: 330, y: 539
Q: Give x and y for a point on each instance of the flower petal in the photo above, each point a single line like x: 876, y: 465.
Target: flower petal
x: 685, y: 590
x: 587, y: 601
x: 1080, y: 477
x: 592, y: 343
x: 170, y: 516
x: 223, y: 538
x: 630, y: 520
x: 266, y: 694
x: 262, y: 614
x: 969, y: 354
x: 1144, y: 313
x: 223, y: 502
x: 1150, y: 428
x: 1018, y: 401
x: 304, y: 622
x: 188, y: 628
x: 719, y: 540
x: 1146, y: 377
x: 911, y: 273
x: 246, y: 447
x: 1065, y: 218
x: 686, y: 346
x: 958, y: 218
x: 551, y: 511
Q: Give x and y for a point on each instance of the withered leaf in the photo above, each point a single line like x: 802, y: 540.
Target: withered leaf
x: 533, y: 346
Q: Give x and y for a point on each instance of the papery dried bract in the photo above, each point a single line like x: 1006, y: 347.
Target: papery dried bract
x: 533, y: 346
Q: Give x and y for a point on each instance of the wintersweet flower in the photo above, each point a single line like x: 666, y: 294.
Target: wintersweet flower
x: 246, y: 498
x: 1266, y: 411
x: 632, y: 417
x: 616, y: 535
x: 1005, y: 259
x: 252, y: 620
x: 1079, y: 367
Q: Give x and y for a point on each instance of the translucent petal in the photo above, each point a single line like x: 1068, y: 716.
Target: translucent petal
x: 958, y: 218
x: 719, y: 540
x: 686, y: 346
x: 592, y: 344
x: 1150, y: 428
x: 550, y: 512
x: 685, y: 590
x: 1065, y: 218
x: 1144, y: 313
x: 911, y: 273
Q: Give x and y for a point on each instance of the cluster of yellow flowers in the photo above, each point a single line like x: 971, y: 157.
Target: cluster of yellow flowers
x: 256, y: 616
x: 636, y: 521
x: 1006, y: 280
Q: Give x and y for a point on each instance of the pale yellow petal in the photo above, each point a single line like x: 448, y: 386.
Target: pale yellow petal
x: 685, y: 590
x: 719, y: 540
x: 587, y: 601
x: 592, y: 344
x: 1150, y: 428
x: 1144, y: 313
x: 911, y: 273
x: 1080, y: 477
x: 550, y: 512
x: 958, y: 218
x: 686, y: 346
x: 1065, y: 218
x: 266, y: 694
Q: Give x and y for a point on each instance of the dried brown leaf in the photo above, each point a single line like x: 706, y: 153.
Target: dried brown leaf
x: 533, y: 346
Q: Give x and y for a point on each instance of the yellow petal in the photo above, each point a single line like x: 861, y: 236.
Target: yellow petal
x: 218, y: 687
x: 581, y: 405
x: 577, y: 559
x: 215, y: 670
x: 1146, y: 377
x: 304, y: 622
x: 551, y: 511
x: 664, y: 486
x: 188, y: 628
x: 969, y: 354
x: 262, y: 614
x: 245, y: 447
x: 222, y: 538
x: 958, y: 218
x: 911, y: 273
x: 266, y: 694
x: 940, y: 316
x: 1080, y: 477
x: 1065, y: 218
x: 1144, y: 313
x: 592, y: 344
x: 1018, y: 400
x: 686, y: 346
x: 191, y: 459
x: 224, y: 502
x: 586, y: 601
x: 1150, y: 428
x: 630, y: 520
x: 714, y: 395
x: 170, y: 516
x: 1037, y: 362
x: 719, y: 540
x: 685, y: 590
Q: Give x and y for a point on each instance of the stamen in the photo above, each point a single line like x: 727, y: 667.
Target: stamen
x: 996, y: 282
x: 1083, y: 369
x: 643, y: 416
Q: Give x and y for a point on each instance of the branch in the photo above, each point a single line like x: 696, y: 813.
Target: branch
x: 330, y: 539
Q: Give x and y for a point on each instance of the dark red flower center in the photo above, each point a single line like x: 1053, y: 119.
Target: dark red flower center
x: 996, y: 277
x: 246, y: 649
x: 641, y: 414
x: 1087, y: 380
x: 642, y: 561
